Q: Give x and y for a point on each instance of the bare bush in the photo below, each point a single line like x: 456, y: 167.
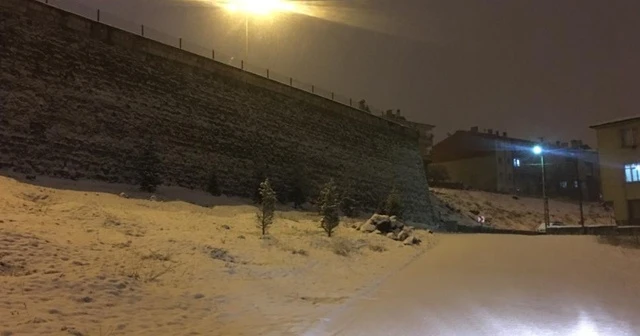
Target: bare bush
x: 377, y: 248
x: 154, y: 273
x: 301, y: 252
x: 149, y: 270
x: 273, y: 242
x: 393, y: 205
x: 156, y: 255
x: 221, y: 254
x: 344, y: 247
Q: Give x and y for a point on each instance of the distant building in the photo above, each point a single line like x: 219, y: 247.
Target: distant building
x: 425, y: 130
x: 492, y: 161
x: 620, y: 165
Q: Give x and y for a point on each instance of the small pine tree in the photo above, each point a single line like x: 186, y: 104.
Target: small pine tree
x: 212, y: 184
x: 148, y: 167
x: 259, y: 179
x: 267, y: 205
x: 329, y: 204
x: 393, y: 205
x: 318, y: 201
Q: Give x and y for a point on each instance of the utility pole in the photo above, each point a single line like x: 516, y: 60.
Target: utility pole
x: 544, y: 195
x: 538, y: 150
x: 580, y: 198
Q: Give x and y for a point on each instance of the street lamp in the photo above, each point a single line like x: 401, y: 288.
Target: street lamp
x: 538, y: 150
x: 256, y: 8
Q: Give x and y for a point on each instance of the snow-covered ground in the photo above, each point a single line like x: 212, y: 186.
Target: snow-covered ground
x: 508, y: 212
x: 79, y: 259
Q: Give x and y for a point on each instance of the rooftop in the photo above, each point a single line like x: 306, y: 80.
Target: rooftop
x: 496, y: 136
x: 615, y: 121
x: 573, y: 144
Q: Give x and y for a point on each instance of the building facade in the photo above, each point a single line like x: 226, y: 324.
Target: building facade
x: 493, y: 161
x: 618, y: 142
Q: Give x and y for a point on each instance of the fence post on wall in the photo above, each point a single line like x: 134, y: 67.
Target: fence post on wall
x: 313, y: 89
x: 332, y: 96
x: 213, y: 54
x: 180, y: 42
x: 98, y: 15
x: 290, y: 81
x: 242, y: 64
x: 350, y: 102
x: 142, y: 30
x: 267, y: 73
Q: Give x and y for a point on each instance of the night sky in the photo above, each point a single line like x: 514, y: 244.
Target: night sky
x: 532, y: 68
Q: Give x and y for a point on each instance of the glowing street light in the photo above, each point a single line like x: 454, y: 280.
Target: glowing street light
x: 538, y: 150
x: 257, y: 8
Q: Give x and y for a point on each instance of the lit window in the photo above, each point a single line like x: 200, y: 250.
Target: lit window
x: 516, y: 162
x: 628, y: 136
x: 563, y: 184
x: 632, y: 172
x: 575, y: 184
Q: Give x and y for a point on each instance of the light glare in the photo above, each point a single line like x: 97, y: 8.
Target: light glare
x: 537, y: 150
x: 259, y: 7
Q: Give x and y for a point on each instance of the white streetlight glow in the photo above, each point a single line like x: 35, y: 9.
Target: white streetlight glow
x: 537, y: 150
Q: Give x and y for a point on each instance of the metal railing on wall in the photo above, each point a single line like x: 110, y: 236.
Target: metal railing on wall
x: 151, y: 33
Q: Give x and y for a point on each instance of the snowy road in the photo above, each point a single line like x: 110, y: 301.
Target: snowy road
x: 501, y: 285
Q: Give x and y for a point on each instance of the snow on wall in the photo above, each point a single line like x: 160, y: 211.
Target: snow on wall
x: 79, y: 99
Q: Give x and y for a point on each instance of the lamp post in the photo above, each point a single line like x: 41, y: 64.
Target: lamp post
x: 538, y: 150
x: 580, y: 197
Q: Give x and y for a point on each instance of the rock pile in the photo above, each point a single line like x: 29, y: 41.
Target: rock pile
x: 391, y: 227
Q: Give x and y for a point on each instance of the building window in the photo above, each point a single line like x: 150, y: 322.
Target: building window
x: 575, y: 184
x: 563, y: 184
x: 632, y: 172
x: 516, y: 162
x: 628, y: 136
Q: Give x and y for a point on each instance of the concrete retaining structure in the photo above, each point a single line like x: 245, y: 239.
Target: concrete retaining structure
x: 80, y: 99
